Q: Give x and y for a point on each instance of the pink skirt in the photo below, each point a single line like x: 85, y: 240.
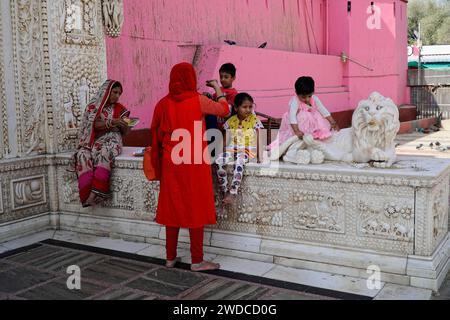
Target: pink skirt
x: 309, y: 122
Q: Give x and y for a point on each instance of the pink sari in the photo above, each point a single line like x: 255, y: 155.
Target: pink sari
x: 97, y: 149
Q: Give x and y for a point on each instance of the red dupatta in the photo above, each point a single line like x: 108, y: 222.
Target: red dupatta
x: 182, y: 86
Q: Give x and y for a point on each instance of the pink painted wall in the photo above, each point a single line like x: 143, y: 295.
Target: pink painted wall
x: 160, y: 33
x: 272, y: 84
x: 382, y: 50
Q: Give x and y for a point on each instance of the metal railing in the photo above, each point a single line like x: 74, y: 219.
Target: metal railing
x: 431, y: 101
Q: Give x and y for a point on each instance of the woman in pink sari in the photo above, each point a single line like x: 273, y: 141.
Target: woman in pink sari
x: 100, y: 142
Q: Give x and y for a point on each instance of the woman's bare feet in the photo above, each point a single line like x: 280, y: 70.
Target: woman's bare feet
x: 205, y: 266
x: 229, y: 199
x: 171, y: 264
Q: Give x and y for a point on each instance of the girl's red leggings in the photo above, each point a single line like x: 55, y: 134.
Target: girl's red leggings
x: 196, y: 236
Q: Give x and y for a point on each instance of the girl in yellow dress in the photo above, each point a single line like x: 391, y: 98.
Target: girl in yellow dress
x: 242, y: 129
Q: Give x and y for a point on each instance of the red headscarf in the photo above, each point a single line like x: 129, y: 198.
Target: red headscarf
x: 183, y: 82
x: 182, y: 86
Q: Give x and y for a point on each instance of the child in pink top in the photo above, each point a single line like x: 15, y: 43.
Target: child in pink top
x: 306, y: 115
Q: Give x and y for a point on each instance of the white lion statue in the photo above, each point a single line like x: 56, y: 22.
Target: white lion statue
x: 375, y: 124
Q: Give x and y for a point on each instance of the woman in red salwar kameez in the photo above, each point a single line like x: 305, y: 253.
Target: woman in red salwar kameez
x: 186, y: 198
x: 100, y: 142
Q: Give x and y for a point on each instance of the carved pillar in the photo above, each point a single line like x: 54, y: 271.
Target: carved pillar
x: 3, y: 113
x: 28, y: 58
x: 77, y: 57
x: 52, y: 61
x: 56, y: 58
x: 8, y: 125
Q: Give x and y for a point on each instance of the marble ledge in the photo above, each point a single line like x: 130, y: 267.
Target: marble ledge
x: 407, y: 171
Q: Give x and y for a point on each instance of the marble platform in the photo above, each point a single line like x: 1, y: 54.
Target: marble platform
x: 342, y: 218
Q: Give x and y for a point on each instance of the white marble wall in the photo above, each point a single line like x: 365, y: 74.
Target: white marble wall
x: 52, y: 60
x: 397, y: 211
x: 336, y: 217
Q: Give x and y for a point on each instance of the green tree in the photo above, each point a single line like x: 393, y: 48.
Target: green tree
x: 434, y: 19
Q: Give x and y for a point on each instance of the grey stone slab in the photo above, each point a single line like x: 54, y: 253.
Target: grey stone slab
x: 5, y: 266
x: 29, y: 256
x: 293, y: 296
x: 396, y: 292
x: 20, y: 278
x: 224, y: 289
x: 58, y: 290
x: 166, y: 282
x: 115, y: 271
x: 60, y: 261
x: 177, y: 277
x: 444, y: 292
x: 124, y: 294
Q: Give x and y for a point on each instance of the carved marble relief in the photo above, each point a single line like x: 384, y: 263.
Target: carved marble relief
x: 390, y: 220
x: 439, y: 214
x: 151, y: 194
x: 113, y: 17
x: 4, y: 145
x: 318, y: 211
x: 80, y: 23
x: 28, y: 192
x: 78, y: 64
x: 70, y: 189
x: 80, y: 82
x: 29, y: 72
x: 260, y: 206
x: 123, y: 194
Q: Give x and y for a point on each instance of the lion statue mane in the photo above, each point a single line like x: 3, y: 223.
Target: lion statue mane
x: 375, y: 124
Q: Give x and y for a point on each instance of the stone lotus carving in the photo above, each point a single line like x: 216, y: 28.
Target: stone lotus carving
x: 113, y: 17
x: 375, y: 124
x: 28, y: 192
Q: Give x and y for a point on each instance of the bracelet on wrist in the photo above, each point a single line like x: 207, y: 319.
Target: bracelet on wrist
x: 222, y: 96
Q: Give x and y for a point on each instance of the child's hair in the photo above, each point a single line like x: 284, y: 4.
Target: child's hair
x: 228, y: 68
x: 241, y: 98
x: 305, y: 86
x: 117, y: 84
